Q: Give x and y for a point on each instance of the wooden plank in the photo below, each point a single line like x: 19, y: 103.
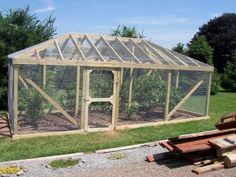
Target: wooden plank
x: 208, y: 168
x: 113, y: 51
x: 121, y: 127
x: 129, y: 52
x: 15, y: 97
x: 193, y: 89
x: 177, y: 80
x: 208, y: 94
x: 77, y: 91
x: 58, y: 49
x: 166, y: 145
x: 230, y: 160
x: 50, y: 100
x: 77, y: 47
x: 228, y: 141
x: 130, y: 87
x: 23, y: 82
x: 167, y: 97
x: 110, y: 64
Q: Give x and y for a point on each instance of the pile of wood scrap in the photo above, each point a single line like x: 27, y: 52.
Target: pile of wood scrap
x: 208, y: 151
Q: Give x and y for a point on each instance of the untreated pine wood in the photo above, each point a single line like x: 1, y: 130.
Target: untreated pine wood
x: 177, y: 80
x: 208, y: 168
x: 167, y: 97
x: 117, y: 97
x: 50, y: 100
x: 130, y: 87
x: 15, y: 96
x: 230, y: 160
x: 77, y: 91
x: 208, y: 94
x: 193, y: 89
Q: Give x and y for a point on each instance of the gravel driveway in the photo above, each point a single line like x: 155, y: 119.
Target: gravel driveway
x: 133, y: 165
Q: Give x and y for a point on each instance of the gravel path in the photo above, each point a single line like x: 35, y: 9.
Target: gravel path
x: 133, y: 165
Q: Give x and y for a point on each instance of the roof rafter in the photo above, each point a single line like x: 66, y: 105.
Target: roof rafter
x: 58, y: 49
x: 176, y: 57
x: 130, y: 52
x: 77, y: 47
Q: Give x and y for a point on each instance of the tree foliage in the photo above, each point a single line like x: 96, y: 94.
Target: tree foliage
x: 180, y: 48
x: 19, y: 29
x: 199, y: 49
x: 127, y: 31
x: 220, y: 34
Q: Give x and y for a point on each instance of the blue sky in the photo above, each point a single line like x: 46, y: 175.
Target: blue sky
x: 165, y: 22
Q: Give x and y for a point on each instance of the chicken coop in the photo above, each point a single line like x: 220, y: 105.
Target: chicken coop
x: 84, y: 82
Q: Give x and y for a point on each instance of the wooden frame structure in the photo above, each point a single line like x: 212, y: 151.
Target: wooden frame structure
x: 97, y: 52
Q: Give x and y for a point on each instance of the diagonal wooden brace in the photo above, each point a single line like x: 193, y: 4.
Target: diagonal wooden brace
x: 50, y: 100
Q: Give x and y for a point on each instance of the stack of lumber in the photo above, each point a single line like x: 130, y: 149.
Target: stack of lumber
x: 208, y: 151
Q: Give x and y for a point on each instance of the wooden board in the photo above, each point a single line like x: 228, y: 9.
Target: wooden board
x: 208, y: 168
x: 224, y: 142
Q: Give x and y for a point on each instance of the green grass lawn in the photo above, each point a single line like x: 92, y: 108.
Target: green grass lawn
x: 10, y: 149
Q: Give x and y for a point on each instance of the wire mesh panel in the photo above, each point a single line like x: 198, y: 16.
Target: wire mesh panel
x: 189, y: 99
x: 47, y: 101
x: 147, y: 92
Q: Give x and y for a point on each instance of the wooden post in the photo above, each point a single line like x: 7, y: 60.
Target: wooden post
x: 85, y: 92
x: 130, y: 87
x: 15, y: 96
x: 121, y: 75
x: 116, y: 96
x: 167, y: 98
x: 208, y: 94
x: 44, y: 75
x: 177, y: 80
x: 77, y: 91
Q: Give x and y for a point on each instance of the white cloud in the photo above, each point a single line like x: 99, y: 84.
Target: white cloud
x: 48, y: 8
x: 163, y: 20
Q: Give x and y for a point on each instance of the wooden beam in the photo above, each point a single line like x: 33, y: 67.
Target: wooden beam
x: 130, y: 87
x: 23, y: 82
x: 50, y: 100
x: 146, y: 54
x: 129, y: 52
x: 155, y: 60
x: 77, y: 100
x: 77, y: 47
x: 193, y: 89
x: 167, y: 97
x: 84, y: 109
x: 115, y: 100
x: 15, y: 97
x: 113, y: 51
x: 92, y: 46
x: 177, y: 80
x: 177, y: 58
x: 110, y: 64
x: 44, y: 76
x: 58, y: 49
x: 121, y: 76
x: 208, y: 94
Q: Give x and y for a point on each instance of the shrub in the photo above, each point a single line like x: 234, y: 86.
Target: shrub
x: 215, y: 84
x: 229, y: 77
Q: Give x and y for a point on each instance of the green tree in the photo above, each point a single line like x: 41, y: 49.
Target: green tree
x: 179, y: 48
x: 127, y: 31
x: 220, y: 34
x: 19, y: 29
x: 199, y: 49
x: 229, y: 76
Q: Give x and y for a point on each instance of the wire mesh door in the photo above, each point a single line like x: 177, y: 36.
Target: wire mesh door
x: 98, y: 99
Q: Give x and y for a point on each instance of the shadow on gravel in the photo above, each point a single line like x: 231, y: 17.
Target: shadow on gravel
x: 170, y: 160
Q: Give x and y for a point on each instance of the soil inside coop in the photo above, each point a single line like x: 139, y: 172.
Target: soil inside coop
x: 53, y: 122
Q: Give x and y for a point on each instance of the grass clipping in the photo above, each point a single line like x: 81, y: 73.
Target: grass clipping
x: 63, y: 163
x: 9, y: 170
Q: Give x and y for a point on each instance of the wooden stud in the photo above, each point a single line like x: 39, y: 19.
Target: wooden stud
x: 208, y: 94
x: 130, y: 87
x: 77, y: 100
x: 121, y: 76
x: 58, y: 49
x: 15, y: 97
x: 177, y: 80
x: 77, y: 47
x: 44, y: 76
x: 189, y: 93
x: 85, y: 91
x: 167, y: 97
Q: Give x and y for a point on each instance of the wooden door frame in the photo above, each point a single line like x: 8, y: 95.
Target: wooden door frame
x: 87, y: 99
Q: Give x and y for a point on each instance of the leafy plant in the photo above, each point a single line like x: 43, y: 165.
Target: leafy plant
x: 131, y: 110
x: 33, y: 106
